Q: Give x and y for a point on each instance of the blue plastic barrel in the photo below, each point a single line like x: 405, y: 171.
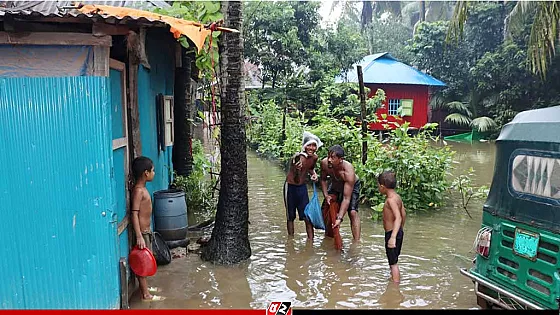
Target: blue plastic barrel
x: 170, y: 214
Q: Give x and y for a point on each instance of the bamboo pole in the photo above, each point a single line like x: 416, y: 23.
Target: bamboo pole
x: 364, y: 121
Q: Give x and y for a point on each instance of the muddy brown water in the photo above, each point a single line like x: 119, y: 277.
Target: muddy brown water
x: 314, y: 275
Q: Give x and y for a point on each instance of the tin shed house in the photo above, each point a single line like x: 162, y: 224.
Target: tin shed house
x: 407, y: 90
x: 82, y: 92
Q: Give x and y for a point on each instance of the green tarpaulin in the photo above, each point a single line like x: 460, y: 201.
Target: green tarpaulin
x: 468, y: 137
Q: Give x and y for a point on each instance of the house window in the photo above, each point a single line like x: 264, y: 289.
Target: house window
x: 394, y: 105
x: 168, y: 120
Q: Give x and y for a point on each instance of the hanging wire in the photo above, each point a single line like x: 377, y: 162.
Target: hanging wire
x: 212, y: 116
x: 213, y: 27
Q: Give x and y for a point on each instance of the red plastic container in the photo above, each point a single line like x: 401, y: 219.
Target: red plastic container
x: 142, y: 262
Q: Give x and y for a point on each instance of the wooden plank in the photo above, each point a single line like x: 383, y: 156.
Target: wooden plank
x: 133, y: 109
x: 123, y: 224
x: 54, y: 38
x: 109, y: 29
x: 123, y: 277
x: 54, y: 19
x: 101, y: 61
x: 117, y: 65
x: 119, y: 143
x: 125, y: 123
x: 178, y: 52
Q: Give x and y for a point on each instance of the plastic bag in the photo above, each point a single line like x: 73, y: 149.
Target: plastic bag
x: 313, y: 211
x: 309, y: 138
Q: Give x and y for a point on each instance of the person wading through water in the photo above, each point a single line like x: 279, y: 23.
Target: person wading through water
x: 345, y: 184
x: 295, y: 186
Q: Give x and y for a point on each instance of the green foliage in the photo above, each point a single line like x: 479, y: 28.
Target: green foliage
x: 451, y: 63
x: 463, y: 185
x: 543, y: 17
x: 199, y: 186
x: 431, y: 54
x: 265, y: 130
x: 279, y: 36
x: 506, y: 85
x: 461, y: 115
x: 388, y: 34
x: 374, y: 103
x: 488, y: 78
x: 343, y: 47
x: 333, y: 131
x: 204, y: 12
x: 342, y: 100
x: 377, y: 211
x: 421, y: 166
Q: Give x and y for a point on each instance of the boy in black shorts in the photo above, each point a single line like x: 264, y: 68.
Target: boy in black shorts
x: 393, y: 221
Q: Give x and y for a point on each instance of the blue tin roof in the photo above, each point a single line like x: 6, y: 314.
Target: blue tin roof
x: 383, y: 68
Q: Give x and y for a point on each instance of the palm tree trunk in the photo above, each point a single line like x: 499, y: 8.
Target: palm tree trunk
x: 367, y: 13
x: 229, y: 243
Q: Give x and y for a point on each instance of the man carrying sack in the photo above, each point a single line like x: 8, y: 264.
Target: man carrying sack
x: 341, y: 194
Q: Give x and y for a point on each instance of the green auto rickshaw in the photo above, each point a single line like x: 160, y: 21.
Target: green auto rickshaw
x: 517, y: 248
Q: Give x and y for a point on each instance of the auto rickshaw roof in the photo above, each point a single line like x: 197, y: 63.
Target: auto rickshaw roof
x: 537, y: 125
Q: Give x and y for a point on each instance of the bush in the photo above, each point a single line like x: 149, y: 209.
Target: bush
x: 199, y: 186
x: 266, y: 132
x: 422, y: 169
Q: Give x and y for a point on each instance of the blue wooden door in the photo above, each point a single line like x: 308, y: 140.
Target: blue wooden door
x: 121, y: 164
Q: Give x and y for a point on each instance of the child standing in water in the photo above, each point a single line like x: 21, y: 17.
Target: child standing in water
x: 141, y: 214
x: 393, y: 221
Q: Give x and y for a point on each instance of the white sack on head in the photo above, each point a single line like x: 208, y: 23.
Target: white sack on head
x: 309, y: 138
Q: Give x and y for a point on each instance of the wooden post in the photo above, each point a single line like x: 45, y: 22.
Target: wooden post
x: 134, y: 112
x: 284, y: 128
x: 364, y: 113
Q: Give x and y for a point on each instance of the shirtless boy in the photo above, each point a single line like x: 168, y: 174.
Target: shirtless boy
x: 295, y: 187
x: 393, y: 221
x: 141, y: 213
x: 343, y: 182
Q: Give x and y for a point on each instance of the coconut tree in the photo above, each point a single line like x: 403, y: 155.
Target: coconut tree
x: 229, y: 243
x: 369, y: 8
x: 462, y: 113
x: 415, y: 12
x: 412, y: 12
x: 544, y: 29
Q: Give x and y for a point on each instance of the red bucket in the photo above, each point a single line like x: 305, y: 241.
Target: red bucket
x: 142, y: 262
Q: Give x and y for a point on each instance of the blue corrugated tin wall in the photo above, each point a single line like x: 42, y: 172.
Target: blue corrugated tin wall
x: 158, y: 79
x: 59, y: 246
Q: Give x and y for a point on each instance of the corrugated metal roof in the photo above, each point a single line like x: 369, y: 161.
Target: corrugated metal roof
x: 111, y: 12
x: 64, y: 9
x: 383, y: 68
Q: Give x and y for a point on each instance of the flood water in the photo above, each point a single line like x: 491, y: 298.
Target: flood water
x: 314, y: 275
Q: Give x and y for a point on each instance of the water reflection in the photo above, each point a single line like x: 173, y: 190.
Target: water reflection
x: 479, y: 155
x: 392, y: 297
x: 315, y: 275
